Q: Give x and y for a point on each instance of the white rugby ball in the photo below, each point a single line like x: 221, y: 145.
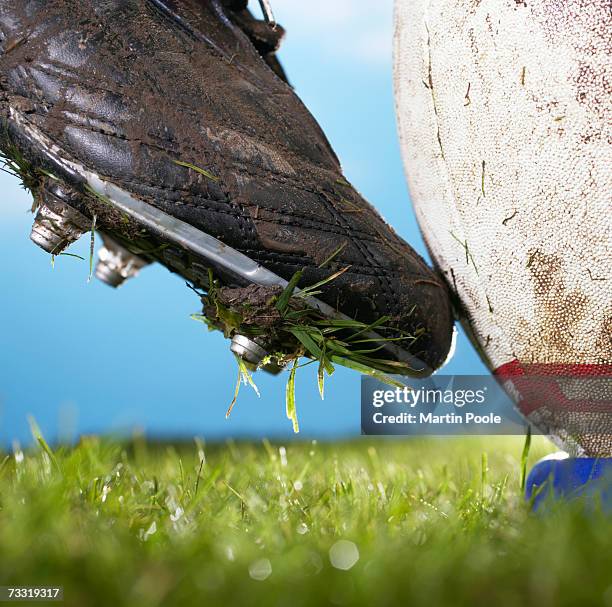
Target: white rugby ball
x: 505, y: 120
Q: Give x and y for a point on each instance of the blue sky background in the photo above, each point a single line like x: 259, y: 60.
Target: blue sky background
x: 82, y: 358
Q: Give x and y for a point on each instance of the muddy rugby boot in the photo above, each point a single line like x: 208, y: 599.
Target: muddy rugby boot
x: 169, y: 124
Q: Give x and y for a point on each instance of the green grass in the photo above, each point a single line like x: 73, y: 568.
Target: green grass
x: 432, y: 522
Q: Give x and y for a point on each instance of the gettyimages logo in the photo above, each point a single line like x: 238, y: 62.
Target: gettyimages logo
x: 579, y: 408
x: 413, y: 397
x: 439, y: 405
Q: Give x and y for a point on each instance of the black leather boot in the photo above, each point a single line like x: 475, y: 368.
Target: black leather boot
x: 171, y: 122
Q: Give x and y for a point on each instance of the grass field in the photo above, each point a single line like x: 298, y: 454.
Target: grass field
x: 415, y: 522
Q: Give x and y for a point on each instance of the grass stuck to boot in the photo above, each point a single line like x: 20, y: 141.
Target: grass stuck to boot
x: 286, y: 328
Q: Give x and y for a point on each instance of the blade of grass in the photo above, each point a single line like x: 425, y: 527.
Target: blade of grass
x: 198, y: 477
x: 524, y: 458
x: 339, y: 346
x: 92, y: 243
x: 306, y: 340
x: 244, y: 377
x: 379, y: 339
x: 325, y: 366
x: 345, y: 323
x: 377, y: 323
x: 308, y: 291
x: 334, y: 254
x: 236, y: 392
x: 247, y: 378
x: 71, y: 255
x: 321, y: 379
x: 285, y: 296
x: 290, y: 398
x: 39, y: 438
x: 318, y: 353
x: 484, y: 473
x: 357, y: 366
x: 197, y: 169
x: 4, y: 465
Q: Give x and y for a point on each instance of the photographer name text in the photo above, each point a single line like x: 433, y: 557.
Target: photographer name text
x: 408, y: 397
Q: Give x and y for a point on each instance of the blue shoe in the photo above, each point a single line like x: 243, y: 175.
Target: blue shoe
x: 586, y: 478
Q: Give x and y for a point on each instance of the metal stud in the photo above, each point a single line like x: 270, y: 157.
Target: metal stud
x: 57, y: 225
x: 116, y: 264
x: 249, y: 350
